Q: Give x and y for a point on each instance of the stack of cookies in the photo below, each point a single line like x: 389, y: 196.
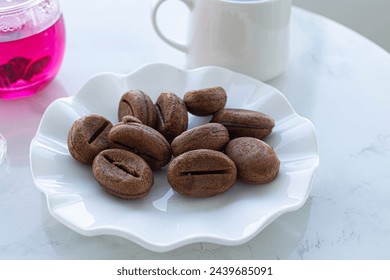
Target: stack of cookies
x: 201, y: 162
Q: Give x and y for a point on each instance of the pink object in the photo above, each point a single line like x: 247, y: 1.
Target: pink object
x: 31, y: 50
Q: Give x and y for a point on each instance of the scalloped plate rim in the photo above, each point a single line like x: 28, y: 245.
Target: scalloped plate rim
x: 185, y: 240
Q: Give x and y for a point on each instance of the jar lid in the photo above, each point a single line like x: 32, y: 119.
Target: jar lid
x: 15, y: 5
x: 23, y: 18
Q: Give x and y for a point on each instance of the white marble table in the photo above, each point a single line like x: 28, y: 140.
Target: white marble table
x: 336, y: 78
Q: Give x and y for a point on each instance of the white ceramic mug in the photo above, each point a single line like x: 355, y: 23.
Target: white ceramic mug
x: 247, y: 36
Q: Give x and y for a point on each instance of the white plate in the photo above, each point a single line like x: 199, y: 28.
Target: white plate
x: 165, y: 220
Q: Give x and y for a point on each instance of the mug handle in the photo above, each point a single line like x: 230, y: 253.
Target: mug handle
x: 178, y: 45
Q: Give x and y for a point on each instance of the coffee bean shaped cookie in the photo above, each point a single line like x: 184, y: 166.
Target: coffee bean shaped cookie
x: 202, y: 173
x: 256, y: 161
x: 206, y: 101
x: 129, y: 119
x: 244, y: 123
x: 172, y: 115
x: 87, y: 137
x: 143, y: 140
x: 123, y: 173
x: 138, y: 104
x: 213, y: 136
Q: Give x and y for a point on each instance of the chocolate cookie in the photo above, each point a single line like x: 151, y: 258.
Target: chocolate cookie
x: 244, y: 123
x: 213, y: 136
x: 172, y: 115
x: 143, y: 140
x: 138, y: 104
x: 123, y: 173
x: 202, y: 173
x: 87, y: 137
x: 256, y: 161
x: 206, y: 101
x: 129, y: 119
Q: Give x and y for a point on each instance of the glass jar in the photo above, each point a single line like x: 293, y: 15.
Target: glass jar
x: 32, y: 43
x: 3, y: 149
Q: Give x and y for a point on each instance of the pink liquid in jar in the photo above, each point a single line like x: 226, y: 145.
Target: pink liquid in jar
x: 29, y: 63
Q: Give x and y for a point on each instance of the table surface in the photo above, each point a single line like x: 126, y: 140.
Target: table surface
x: 336, y: 78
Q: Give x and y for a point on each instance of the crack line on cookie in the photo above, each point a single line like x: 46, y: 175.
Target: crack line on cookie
x: 98, y: 132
